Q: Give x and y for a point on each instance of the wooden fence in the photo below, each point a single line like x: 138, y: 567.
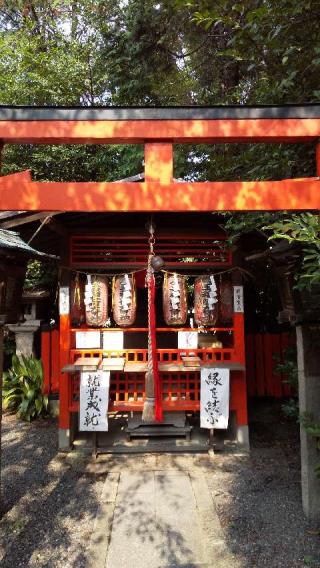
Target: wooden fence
x: 262, y: 352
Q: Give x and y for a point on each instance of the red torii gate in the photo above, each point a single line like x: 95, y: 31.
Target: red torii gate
x: 158, y: 129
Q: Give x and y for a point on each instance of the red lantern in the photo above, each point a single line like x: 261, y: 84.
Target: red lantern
x: 96, y: 301
x: 175, y: 303
x: 205, y: 301
x: 124, y: 303
x: 226, y: 303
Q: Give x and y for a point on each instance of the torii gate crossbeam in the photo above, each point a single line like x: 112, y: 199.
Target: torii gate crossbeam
x: 158, y: 129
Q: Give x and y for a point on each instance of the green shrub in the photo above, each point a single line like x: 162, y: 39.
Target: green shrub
x: 22, y: 388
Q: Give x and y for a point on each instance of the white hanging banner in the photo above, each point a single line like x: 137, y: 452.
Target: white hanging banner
x: 214, y: 398
x: 94, y: 401
x: 238, y: 299
x: 87, y: 339
x: 187, y: 339
x: 64, y: 301
x: 113, y: 340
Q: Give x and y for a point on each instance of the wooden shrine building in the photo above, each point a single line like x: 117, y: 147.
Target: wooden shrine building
x: 103, y: 234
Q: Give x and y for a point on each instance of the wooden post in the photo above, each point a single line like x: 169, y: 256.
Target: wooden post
x: 158, y: 162
x: 309, y: 402
x: 2, y: 321
x: 65, y: 435
x: 318, y: 159
x: 158, y: 158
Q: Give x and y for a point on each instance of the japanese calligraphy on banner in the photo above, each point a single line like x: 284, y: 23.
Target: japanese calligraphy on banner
x: 94, y: 400
x: 238, y: 299
x: 214, y: 398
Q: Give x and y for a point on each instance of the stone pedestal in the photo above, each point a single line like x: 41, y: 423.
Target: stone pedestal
x: 24, y: 333
x: 308, y: 344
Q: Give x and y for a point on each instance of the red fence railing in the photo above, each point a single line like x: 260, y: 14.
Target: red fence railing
x: 262, y: 349
x: 262, y: 352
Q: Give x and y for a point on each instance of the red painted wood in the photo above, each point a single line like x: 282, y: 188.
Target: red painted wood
x: 250, y: 364
x: 276, y: 353
x: 177, y: 131
x: 269, y: 363
x: 155, y: 196
x: 239, y: 342
x: 238, y: 397
x: 65, y: 395
x: 318, y: 159
x: 45, y: 358
x: 158, y: 162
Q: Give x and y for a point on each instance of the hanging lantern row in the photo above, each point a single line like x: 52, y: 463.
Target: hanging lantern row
x: 96, y: 301
x: 175, y: 303
x: 90, y: 301
x: 124, y: 302
x: 205, y: 301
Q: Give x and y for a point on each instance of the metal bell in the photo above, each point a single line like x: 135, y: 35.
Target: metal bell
x: 157, y: 263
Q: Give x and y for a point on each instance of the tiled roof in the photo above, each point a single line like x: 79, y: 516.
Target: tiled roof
x: 11, y: 240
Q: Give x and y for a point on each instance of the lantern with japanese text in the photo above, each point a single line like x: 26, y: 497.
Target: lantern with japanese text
x: 205, y: 300
x: 175, y: 303
x: 124, y: 304
x: 96, y: 300
x: 226, y: 302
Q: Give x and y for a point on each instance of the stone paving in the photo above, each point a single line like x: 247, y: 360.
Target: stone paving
x: 153, y: 517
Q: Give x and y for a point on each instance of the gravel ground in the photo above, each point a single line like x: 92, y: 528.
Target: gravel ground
x: 258, y: 498
x: 50, y: 500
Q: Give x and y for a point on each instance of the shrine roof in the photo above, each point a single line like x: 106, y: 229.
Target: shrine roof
x: 242, y: 112
x: 12, y: 241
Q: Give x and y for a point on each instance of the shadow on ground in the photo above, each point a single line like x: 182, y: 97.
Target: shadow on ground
x: 52, y: 501
x: 258, y: 498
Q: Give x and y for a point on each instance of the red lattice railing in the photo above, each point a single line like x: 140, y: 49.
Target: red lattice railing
x: 117, y: 251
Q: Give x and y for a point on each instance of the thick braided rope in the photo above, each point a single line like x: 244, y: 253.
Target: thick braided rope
x: 149, y: 275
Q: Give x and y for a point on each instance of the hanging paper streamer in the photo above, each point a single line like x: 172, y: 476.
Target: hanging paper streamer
x: 94, y: 400
x: 214, y: 398
x: 205, y: 300
x: 175, y: 304
x: 226, y: 303
x: 96, y: 301
x: 124, y: 305
x: 78, y: 313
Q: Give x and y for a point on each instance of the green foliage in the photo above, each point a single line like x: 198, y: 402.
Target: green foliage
x: 289, y: 367
x: 141, y: 52
x: 9, y: 343
x: 303, y: 228
x: 22, y: 388
x: 40, y: 275
x: 313, y: 430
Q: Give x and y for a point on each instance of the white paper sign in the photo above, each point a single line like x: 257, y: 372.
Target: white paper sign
x: 113, y: 340
x: 64, y: 301
x: 94, y: 401
x: 214, y: 398
x: 88, y: 339
x: 187, y: 339
x: 238, y: 299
